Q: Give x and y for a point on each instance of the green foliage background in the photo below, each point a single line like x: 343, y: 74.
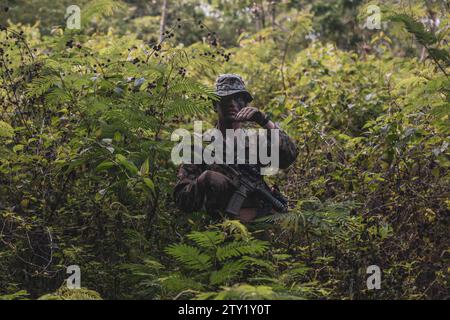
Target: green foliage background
x: 85, y: 172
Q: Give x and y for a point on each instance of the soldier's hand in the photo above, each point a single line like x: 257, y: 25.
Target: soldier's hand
x: 251, y: 114
x: 214, y: 180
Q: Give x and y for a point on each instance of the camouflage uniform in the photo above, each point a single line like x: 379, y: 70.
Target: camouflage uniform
x: 189, y: 197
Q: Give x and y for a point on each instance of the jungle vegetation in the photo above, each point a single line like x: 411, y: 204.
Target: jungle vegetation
x: 86, y: 178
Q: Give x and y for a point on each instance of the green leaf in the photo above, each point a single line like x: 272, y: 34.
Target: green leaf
x: 240, y: 248
x: 130, y: 166
x: 412, y: 26
x: 100, y: 9
x: 6, y: 131
x: 105, y: 165
x: 19, y: 295
x: 206, y: 239
x: 117, y: 136
x: 440, y: 54
x: 149, y: 183
x: 18, y: 147
x: 177, y: 283
x: 145, y: 168
x: 228, y: 272
x: 189, y: 256
x: 261, y: 263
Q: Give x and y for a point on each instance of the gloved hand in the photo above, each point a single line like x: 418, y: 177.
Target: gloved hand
x: 252, y: 114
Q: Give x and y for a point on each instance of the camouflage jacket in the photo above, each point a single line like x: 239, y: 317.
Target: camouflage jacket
x: 189, y: 197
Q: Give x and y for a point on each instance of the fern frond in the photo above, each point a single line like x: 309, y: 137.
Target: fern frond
x: 207, y: 239
x: 289, y: 220
x: 145, y: 271
x: 424, y: 37
x: 190, y: 87
x: 259, y: 263
x: 184, y: 107
x: 440, y: 54
x: 6, y: 131
x: 40, y: 86
x: 189, y: 256
x: 243, y: 291
x: 410, y: 82
x: 236, y: 228
x: 57, y: 95
x: 100, y: 8
x: 240, y: 248
x: 176, y: 283
x: 294, y: 273
x: 124, y: 118
x: 228, y: 272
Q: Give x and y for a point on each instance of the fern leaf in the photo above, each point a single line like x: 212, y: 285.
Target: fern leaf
x: 176, y: 283
x: 57, y: 96
x: 207, y: 239
x: 228, y: 272
x: 184, y: 107
x: 6, y: 131
x: 237, y: 229
x: 243, y: 291
x: 412, y: 26
x: 440, y: 54
x: 40, y: 86
x: 290, y: 220
x: 187, y: 87
x: 189, y: 256
x: 100, y: 8
x: 260, y: 263
x: 240, y: 248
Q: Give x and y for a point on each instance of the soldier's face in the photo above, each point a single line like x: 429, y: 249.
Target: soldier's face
x: 230, y: 106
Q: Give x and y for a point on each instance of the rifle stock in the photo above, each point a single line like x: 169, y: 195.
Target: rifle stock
x: 249, y: 181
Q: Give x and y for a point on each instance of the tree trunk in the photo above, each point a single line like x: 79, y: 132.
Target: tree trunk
x: 273, y: 13
x: 263, y: 15
x: 162, y: 24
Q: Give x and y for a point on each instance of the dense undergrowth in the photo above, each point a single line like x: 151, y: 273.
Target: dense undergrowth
x: 86, y: 177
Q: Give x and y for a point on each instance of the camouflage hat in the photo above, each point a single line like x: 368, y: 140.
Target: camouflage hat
x: 228, y: 84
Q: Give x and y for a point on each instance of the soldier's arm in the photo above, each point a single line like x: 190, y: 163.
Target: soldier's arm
x: 187, y: 194
x: 288, y: 149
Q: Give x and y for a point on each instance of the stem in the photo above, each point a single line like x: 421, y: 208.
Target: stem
x: 436, y: 61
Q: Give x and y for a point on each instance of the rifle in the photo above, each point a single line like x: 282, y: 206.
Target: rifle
x: 247, y: 180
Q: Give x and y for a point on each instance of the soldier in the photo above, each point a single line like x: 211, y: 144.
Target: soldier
x: 209, y: 187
